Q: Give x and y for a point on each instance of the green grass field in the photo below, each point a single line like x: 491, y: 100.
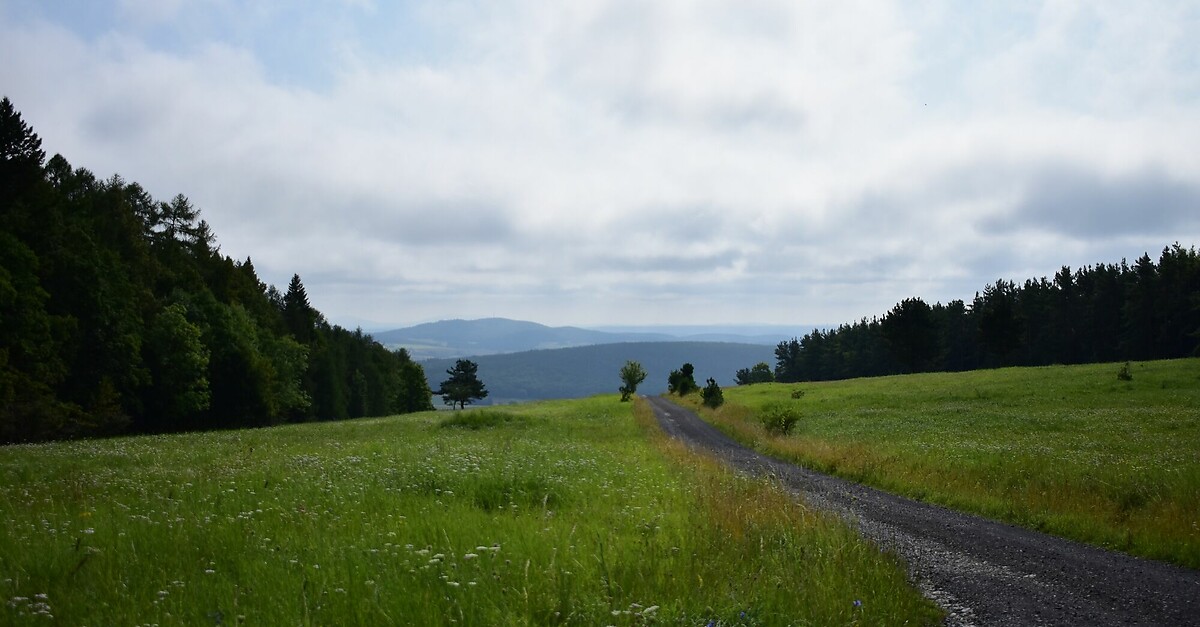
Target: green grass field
x: 1073, y: 451
x: 574, y: 512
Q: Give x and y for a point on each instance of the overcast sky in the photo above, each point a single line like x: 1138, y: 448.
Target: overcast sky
x: 674, y: 161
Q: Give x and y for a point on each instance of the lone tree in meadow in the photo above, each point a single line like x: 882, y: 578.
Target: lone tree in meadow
x: 632, y: 374
x: 463, y: 387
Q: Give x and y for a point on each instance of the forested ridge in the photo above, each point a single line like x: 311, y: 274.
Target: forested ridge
x: 1101, y: 313
x: 118, y: 314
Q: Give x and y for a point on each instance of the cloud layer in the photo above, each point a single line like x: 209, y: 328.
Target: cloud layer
x: 617, y: 162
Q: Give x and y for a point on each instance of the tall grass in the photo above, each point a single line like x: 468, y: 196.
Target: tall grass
x: 555, y: 513
x: 1073, y: 451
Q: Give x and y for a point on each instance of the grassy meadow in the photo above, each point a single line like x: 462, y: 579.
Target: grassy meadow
x: 1071, y: 450
x: 576, y: 512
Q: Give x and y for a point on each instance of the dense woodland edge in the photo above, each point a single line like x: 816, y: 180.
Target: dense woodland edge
x: 1095, y: 314
x: 118, y: 314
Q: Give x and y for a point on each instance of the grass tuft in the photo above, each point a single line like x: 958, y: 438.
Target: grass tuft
x: 477, y: 419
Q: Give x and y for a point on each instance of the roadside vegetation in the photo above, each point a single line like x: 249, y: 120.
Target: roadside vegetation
x: 1107, y: 454
x: 575, y: 512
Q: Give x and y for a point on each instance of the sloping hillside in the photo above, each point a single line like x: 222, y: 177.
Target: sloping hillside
x: 587, y: 370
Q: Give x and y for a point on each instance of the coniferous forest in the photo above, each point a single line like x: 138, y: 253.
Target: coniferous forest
x: 118, y: 314
x: 1101, y: 313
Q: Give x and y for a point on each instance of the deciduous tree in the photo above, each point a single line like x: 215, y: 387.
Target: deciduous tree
x: 178, y: 362
x: 632, y: 374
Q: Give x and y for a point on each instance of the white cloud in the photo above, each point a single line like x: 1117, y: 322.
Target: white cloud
x: 150, y: 12
x: 594, y: 161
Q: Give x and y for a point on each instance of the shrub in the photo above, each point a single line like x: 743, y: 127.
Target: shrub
x: 682, y: 381
x: 797, y: 393
x: 778, y: 419
x: 760, y: 373
x: 712, y: 394
x: 476, y: 420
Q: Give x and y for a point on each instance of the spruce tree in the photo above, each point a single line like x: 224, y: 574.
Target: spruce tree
x: 297, y: 313
x: 463, y: 387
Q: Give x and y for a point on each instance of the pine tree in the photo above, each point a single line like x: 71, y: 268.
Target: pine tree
x: 788, y: 357
x: 911, y: 333
x: 712, y: 394
x: 463, y: 387
x: 299, y: 316
x: 21, y: 158
x: 18, y: 142
x: 682, y: 381
x: 1000, y: 325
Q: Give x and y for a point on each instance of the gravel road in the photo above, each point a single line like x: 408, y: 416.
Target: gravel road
x: 980, y: 571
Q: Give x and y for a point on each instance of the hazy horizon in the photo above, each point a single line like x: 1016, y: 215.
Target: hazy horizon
x: 371, y: 326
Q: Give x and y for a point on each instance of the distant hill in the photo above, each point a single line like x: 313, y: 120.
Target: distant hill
x: 460, y: 338
x: 771, y: 334
x: 587, y: 370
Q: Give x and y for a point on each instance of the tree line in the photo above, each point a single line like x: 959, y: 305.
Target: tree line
x: 118, y: 314
x: 1101, y: 313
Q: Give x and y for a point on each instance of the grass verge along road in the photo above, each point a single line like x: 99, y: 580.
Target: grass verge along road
x: 1070, y: 450
x: 980, y: 571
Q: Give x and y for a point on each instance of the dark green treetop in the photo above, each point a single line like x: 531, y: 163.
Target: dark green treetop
x: 18, y: 142
x: 463, y: 387
x: 682, y: 381
x: 910, y: 332
x: 297, y: 312
x: 760, y: 373
x: 712, y: 394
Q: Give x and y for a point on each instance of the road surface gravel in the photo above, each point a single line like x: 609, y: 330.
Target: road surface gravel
x: 980, y: 571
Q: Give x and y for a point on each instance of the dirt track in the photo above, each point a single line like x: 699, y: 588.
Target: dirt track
x: 981, y: 571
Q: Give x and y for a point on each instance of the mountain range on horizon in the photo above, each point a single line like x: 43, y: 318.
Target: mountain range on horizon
x: 448, y: 339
